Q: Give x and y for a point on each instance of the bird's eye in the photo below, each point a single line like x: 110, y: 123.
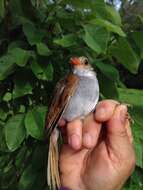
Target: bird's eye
x: 86, y: 62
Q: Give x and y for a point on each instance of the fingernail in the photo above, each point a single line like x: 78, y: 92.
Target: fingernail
x: 100, y: 112
x: 123, y: 113
x: 74, y: 141
x: 87, y: 140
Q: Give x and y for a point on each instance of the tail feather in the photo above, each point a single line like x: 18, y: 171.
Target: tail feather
x: 53, y: 177
x: 52, y: 171
x: 57, y: 166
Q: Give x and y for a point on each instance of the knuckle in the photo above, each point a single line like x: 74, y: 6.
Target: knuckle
x: 122, y: 133
x: 108, y: 101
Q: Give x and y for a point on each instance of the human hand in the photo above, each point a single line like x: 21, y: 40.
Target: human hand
x: 99, y: 154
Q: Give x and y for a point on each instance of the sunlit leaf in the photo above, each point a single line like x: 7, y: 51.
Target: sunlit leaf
x: 67, y: 41
x: 96, y: 38
x: 109, y: 26
x: 125, y: 55
x: 131, y: 96
x: 7, y: 97
x: 113, y: 15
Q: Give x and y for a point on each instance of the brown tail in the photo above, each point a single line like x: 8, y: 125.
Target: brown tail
x: 53, y: 177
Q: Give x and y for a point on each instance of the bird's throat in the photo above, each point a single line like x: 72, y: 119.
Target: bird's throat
x: 84, y: 72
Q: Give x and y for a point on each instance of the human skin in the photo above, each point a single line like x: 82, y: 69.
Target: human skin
x: 99, y: 154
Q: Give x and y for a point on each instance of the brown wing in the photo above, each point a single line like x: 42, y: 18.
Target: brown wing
x: 63, y: 92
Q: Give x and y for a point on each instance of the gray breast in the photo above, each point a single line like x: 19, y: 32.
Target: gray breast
x: 84, y: 99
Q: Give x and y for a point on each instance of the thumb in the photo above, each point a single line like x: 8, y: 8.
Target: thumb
x: 116, y: 130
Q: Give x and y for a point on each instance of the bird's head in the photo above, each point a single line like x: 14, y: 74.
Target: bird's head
x: 80, y: 63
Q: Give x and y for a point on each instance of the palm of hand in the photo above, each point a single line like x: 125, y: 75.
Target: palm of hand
x: 89, y: 169
x: 105, y: 164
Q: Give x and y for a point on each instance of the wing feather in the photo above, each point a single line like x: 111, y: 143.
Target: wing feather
x: 63, y: 92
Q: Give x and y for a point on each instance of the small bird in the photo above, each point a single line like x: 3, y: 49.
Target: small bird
x: 75, y: 96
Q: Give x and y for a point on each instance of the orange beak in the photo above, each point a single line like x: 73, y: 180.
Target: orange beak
x: 75, y: 61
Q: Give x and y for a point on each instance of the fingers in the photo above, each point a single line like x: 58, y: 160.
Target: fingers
x: 74, y: 132
x: 91, y: 131
x: 118, y: 131
x: 116, y: 124
x: 86, y: 133
x: 105, y: 110
x: 61, y: 122
x: 83, y: 134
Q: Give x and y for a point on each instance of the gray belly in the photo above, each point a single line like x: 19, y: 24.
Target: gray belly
x: 84, y: 99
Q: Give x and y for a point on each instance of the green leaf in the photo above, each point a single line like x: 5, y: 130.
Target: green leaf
x: 108, y: 88
x: 22, y: 109
x: 137, y: 178
x: 2, y: 8
x: 136, y: 113
x: 39, y: 156
x: 21, y: 88
x: 35, y: 122
x: 3, y: 146
x: 113, y: 15
x: 138, y: 38
x: 34, y: 176
x: 20, y: 157
x: 32, y: 179
x: 42, y: 49
x: 125, y: 55
x: 34, y: 35
x: 15, y: 131
x: 131, y: 96
x: 16, y: 9
x: 141, y: 18
x: 139, y: 153
x: 42, y: 72
x: 7, y: 97
x: 7, y: 66
x: 96, y: 38
x: 109, y: 26
x: 3, y: 115
x: 100, y: 9
x: 108, y: 70
x: 28, y: 178
x: 137, y: 128
x: 20, y: 56
x: 67, y: 40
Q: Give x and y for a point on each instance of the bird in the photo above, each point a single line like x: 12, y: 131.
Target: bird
x: 74, y: 97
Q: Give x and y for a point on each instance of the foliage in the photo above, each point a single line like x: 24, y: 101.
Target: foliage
x: 37, y: 38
